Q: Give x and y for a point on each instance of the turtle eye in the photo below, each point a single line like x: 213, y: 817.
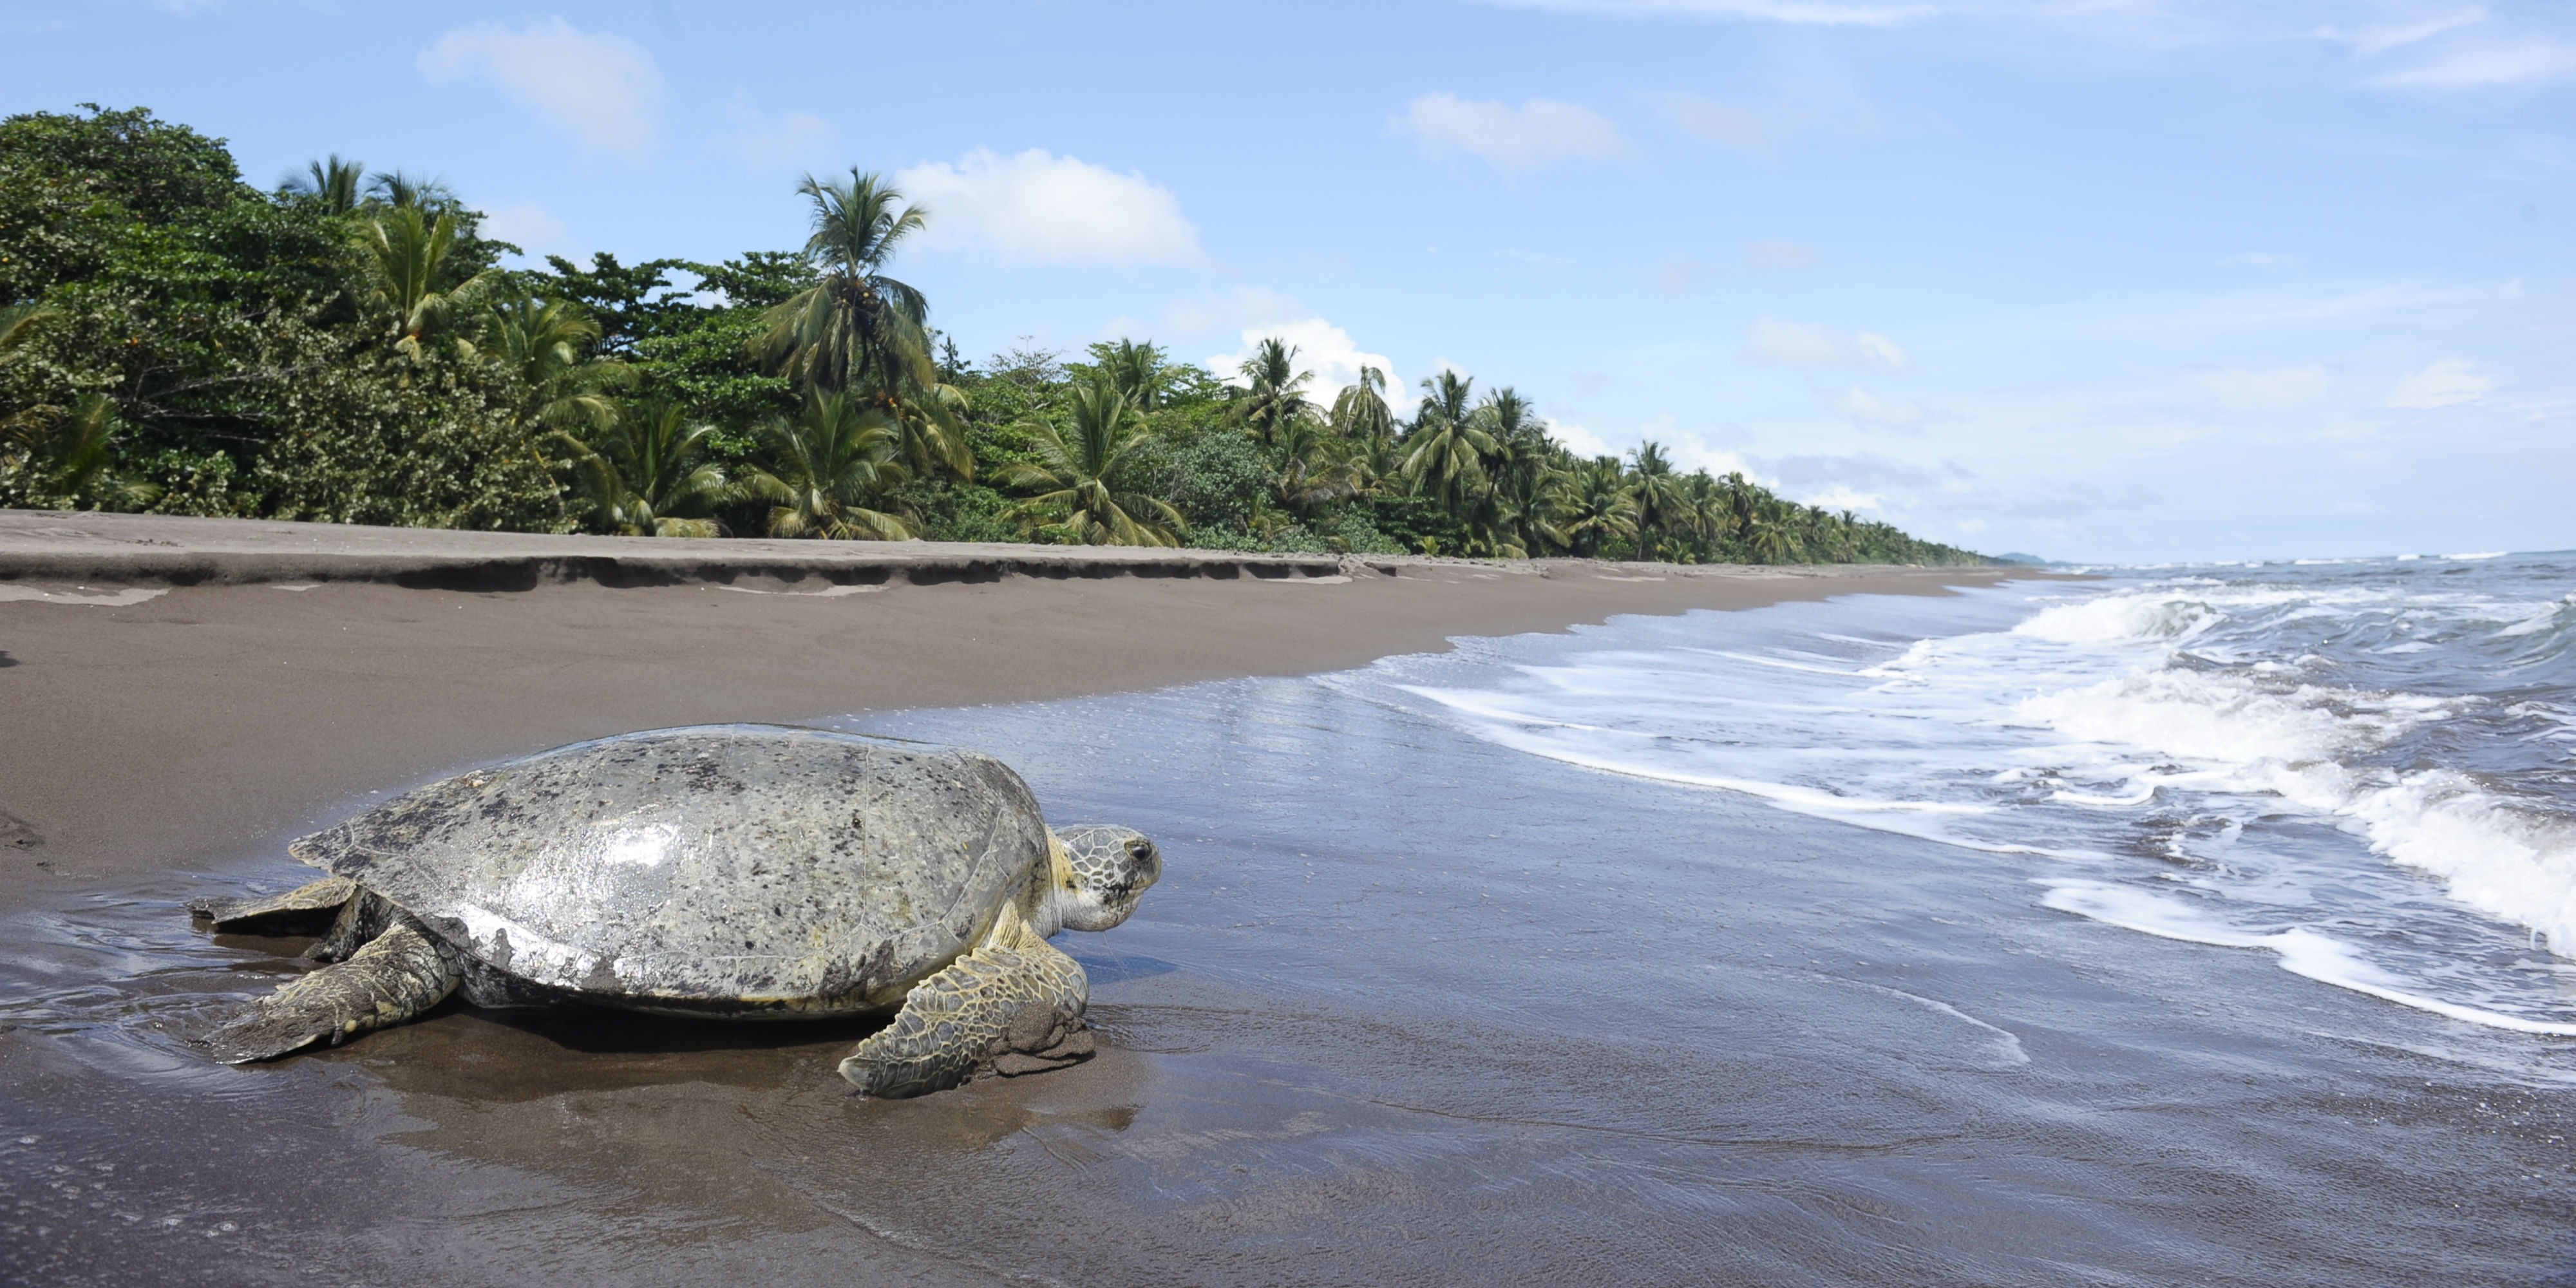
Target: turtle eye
x: 1149, y: 861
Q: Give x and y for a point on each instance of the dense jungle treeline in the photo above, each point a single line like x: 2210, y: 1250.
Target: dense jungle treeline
x: 350, y: 348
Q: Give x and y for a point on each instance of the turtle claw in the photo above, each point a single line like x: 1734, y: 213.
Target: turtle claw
x: 257, y: 1036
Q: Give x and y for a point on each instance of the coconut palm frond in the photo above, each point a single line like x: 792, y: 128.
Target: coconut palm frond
x: 1076, y: 462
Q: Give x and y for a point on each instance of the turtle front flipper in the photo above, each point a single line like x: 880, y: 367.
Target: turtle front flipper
x: 951, y: 1021
x: 399, y: 974
x: 305, y: 910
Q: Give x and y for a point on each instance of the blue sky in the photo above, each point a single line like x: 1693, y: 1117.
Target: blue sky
x: 2101, y: 280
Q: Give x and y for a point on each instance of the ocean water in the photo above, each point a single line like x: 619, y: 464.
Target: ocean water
x: 2366, y: 767
x: 1886, y: 941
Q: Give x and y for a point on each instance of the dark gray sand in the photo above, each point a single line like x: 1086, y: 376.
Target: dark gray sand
x: 1299, y: 1082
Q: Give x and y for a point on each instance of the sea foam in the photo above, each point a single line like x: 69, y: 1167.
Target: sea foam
x: 2361, y: 766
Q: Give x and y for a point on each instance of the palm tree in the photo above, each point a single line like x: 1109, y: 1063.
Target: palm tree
x: 1309, y: 476
x: 1274, y: 393
x: 405, y: 260
x: 74, y: 463
x: 1076, y: 463
x: 1662, y: 507
x: 1444, y: 455
x: 1705, y: 512
x: 829, y: 469
x: 856, y: 328
x: 1767, y: 537
x: 1445, y: 400
x: 645, y: 474
x: 18, y: 323
x: 542, y: 342
x: 333, y: 183
x: 1594, y: 506
x: 1360, y: 414
x: 410, y: 192
x: 1505, y: 514
x: 1139, y: 371
x: 859, y: 331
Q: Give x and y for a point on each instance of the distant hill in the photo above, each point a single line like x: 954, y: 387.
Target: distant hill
x: 2020, y: 559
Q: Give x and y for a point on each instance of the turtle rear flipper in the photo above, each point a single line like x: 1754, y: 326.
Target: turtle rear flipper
x: 399, y: 974
x: 951, y: 1021
x: 305, y: 910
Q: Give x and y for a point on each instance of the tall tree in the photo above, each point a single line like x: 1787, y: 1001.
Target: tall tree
x: 545, y: 344
x: 1360, y: 412
x: 856, y: 328
x: 1662, y: 507
x: 1447, y: 398
x: 646, y: 474
x: 1140, y: 371
x: 628, y: 302
x: 1444, y: 455
x: 1308, y: 469
x: 333, y: 184
x: 1273, y: 393
x: 1508, y: 516
x: 408, y: 282
x: 859, y: 331
x: 1594, y: 506
x: 831, y: 472
x: 72, y: 462
x: 403, y: 190
x: 1081, y: 464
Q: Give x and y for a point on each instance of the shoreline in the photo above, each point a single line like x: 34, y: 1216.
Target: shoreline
x: 55, y: 545
x: 193, y: 726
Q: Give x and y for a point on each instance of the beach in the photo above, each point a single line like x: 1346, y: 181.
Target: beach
x: 170, y: 729
x: 1520, y: 923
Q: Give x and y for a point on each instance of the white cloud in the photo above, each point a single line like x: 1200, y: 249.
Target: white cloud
x: 1842, y: 497
x: 1324, y: 349
x: 2379, y: 38
x: 596, y: 86
x: 2487, y: 66
x: 1773, y: 342
x: 1795, y: 12
x: 798, y: 140
x: 1869, y: 412
x: 1687, y: 449
x: 2445, y: 383
x: 1693, y: 452
x: 529, y: 226
x: 1513, y: 140
x: 2272, y: 389
x: 1244, y: 306
x: 1037, y: 208
x: 1580, y: 441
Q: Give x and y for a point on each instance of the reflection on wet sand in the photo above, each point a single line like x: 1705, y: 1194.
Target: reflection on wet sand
x: 1406, y: 1009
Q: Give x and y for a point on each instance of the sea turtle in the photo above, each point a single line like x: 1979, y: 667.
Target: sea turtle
x: 734, y: 871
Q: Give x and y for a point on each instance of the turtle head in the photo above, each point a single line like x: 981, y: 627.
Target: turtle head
x: 1100, y: 873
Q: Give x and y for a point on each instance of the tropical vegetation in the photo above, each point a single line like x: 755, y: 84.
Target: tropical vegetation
x: 350, y: 346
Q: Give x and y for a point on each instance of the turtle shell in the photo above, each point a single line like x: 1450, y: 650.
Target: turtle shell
x: 719, y: 868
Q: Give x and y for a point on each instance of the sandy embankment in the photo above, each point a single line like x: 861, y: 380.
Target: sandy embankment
x: 174, y: 690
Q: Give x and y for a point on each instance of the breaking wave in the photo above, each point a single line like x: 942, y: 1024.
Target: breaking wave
x: 2365, y: 767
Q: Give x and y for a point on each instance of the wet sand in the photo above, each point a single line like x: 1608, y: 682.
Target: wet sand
x: 160, y: 746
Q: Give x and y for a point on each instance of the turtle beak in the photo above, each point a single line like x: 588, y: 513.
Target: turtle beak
x: 1149, y: 864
